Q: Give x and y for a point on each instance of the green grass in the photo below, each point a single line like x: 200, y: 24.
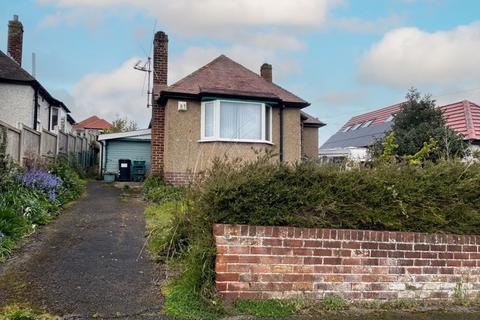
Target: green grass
x: 159, y: 221
x: 266, y: 308
x: 335, y: 303
x: 16, y: 312
x: 183, y: 302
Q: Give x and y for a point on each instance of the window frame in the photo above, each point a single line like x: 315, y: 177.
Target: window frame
x: 216, y: 122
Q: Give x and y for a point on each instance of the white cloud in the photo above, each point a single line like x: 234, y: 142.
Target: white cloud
x: 118, y: 92
x: 223, y: 19
x: 122, y: 91
x: 412, y: 57
x: 217, y: 17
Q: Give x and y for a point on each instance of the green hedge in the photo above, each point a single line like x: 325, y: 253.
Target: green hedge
x: 436, y: 198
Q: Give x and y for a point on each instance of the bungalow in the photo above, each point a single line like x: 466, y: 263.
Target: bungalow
x: 223, y: 109
x: 360, y: 132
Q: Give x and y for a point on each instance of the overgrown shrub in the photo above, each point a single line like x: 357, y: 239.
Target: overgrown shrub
x: 31, y: 197
x: 157, y: 191
x: 434, y: 198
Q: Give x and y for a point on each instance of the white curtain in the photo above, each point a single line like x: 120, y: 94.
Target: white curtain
x: 209, y: 119
x: 240, y: 120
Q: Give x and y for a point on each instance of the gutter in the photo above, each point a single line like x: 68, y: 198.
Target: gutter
x: 35, y: 110
x: 282, y: 107
x: 49, y: 117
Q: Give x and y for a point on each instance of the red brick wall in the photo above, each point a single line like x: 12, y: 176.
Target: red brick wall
x: 15, y: 39
x: 160, y: 75
x: 158, y: 139
x: 283, y: 262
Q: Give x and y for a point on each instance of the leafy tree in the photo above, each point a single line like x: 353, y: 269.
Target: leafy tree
x: 122, y: 125
x: 420, y: 122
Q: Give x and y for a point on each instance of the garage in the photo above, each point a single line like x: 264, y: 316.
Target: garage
x: 125, y: 156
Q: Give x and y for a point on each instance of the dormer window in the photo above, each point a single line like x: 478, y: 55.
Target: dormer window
x: 356, y: 126
x: 390, y: 117
x: 237, y: 121
x: 367, y: 124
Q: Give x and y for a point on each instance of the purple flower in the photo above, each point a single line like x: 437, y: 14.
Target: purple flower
x: 40, y: 180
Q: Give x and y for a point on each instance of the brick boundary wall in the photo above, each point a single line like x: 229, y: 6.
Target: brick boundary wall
x: 256, y: 262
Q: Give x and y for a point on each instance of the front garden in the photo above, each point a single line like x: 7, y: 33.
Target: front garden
x: 33, y: 196
x: 439, y: 197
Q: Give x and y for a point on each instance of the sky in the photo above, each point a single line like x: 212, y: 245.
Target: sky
x: 345, y: 57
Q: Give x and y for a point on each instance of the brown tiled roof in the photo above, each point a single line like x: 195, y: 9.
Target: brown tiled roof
x: 227, y: 77
x: 94, y: 122
x: 311, y: 121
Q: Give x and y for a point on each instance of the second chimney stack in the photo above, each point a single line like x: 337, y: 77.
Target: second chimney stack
x: 15, y: 39
x: 266, y: 72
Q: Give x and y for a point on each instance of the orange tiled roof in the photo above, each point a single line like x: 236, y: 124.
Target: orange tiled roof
x: 93, y: 122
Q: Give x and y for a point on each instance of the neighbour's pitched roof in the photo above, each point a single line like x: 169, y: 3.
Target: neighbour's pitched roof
x: 363, y: 130
x: 463, y: 117
x: 224, y: 76
x: 94, y: 122
x: 311, y: 121
x: 12, y: 72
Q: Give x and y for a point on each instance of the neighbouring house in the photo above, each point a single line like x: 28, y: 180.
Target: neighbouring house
x: 360, y: 132
x: 223, y: 109
x: 123, y: 152
x: 90, y: 129
x: 23, y: 99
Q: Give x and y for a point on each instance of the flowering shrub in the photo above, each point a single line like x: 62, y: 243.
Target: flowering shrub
x: 42, y: 181
x: 31, y: 198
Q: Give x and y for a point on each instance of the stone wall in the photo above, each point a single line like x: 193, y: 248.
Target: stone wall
x: 284, y: 262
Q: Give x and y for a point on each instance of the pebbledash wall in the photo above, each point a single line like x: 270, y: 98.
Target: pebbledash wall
x: 283, y: 262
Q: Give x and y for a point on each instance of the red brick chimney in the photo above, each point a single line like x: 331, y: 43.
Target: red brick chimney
x: 160, y: 74
x: 266, y: 72
x: 15, y: 39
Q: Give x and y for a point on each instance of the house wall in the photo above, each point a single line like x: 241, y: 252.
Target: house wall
x: 133, y: 150
x: 43, y: 107
x: 310, y: 142
x: 292, y: 145
x: 286, y: 262
x: 185, y: 155
x: 16, y: 104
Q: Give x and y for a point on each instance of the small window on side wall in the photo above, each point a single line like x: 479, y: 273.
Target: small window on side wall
x: 54, y: 118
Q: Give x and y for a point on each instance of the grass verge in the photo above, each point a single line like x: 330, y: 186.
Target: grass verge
x: 17, y: 312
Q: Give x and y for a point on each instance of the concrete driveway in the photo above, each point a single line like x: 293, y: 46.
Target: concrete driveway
x: 88, y: 263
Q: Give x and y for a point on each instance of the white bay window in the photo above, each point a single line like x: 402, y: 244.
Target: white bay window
x: 240, y: 121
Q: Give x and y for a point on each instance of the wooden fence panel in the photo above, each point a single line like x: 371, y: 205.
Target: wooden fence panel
x: 13, y: 139
x: 26, y: 143
x: 71, y: 143
x: 30, y: 143
x: 62, y: 142
x: 49, y: 144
